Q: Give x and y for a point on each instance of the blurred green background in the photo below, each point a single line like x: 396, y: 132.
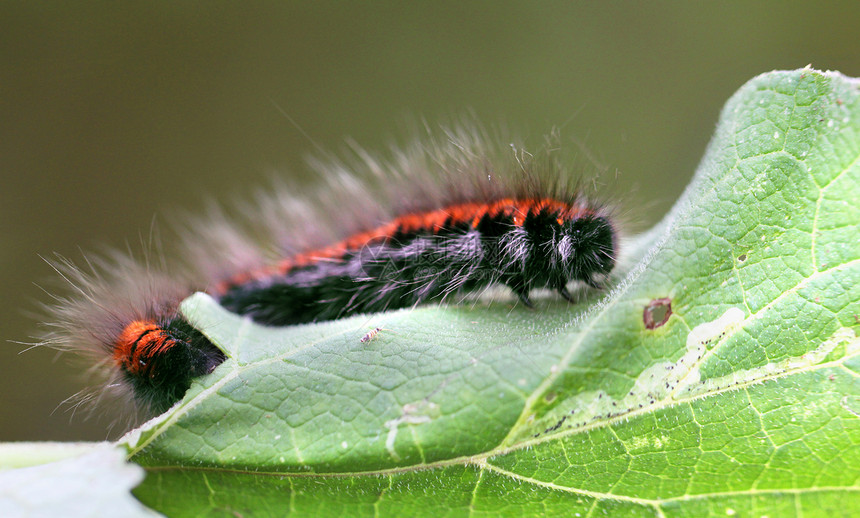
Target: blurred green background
x: 111, y: 115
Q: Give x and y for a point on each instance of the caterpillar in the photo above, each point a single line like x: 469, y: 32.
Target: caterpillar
x: 444, y: 216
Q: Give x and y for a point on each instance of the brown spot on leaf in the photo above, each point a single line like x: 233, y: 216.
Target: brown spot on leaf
x: 657, y: 313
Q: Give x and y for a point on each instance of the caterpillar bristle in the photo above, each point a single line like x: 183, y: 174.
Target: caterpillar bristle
x: 451, y: 213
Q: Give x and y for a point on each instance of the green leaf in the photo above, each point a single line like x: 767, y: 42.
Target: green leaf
x: 744, y: 402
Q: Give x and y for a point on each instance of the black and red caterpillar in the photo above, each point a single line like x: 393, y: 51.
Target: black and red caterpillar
x: 420, y: 257
x: 524, y: 235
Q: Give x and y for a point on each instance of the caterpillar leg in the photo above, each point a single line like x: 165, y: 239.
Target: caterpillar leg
x: 565, y: 294
x: 523, y: 294
x: 593, y: 283
x: 524, y: 298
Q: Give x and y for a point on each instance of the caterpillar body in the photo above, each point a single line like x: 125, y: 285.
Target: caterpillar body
x: 487, y: 220
x: 522, y: 243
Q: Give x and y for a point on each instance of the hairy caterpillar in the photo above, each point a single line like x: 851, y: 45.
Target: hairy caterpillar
x: 440, y: 218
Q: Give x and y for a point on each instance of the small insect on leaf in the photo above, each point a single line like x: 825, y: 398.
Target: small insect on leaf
x: 370, y: 335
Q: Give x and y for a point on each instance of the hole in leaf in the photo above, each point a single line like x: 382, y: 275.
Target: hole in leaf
x: 657, y: 313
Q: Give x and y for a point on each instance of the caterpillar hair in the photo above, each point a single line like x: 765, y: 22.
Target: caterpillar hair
x: 447, y: 215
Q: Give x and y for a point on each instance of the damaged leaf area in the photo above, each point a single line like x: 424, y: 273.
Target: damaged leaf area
x: 718, y: 376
